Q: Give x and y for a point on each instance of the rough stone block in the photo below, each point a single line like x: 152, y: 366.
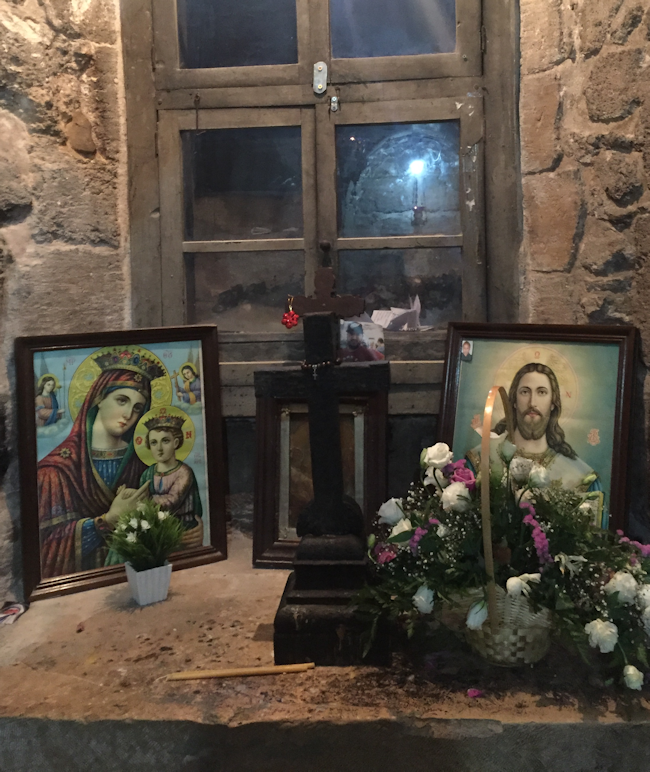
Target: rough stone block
x: 15, y: 192
x: 595, y: 20
x: 641, y: 231
x: 91, y: 19
x: 621, y: 175
x: 539, y: 105
x: 541, y: 35
x: 75, y: 201
x: 631, y: 20
x: 605, y: 250
x: 552, y: 207
x: 612, y: 89
x: 67, y: 289
x: 550, y: 299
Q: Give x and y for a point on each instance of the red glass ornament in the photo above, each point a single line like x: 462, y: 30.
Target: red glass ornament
x: 290, y: 319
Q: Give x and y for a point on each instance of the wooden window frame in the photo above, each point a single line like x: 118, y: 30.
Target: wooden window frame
x: 150, y: 91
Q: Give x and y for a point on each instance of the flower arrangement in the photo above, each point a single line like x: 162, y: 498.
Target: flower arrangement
x: 146, y: 536
x: 428, y: 552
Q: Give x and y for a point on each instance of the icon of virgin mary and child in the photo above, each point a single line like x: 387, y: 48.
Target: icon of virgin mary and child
x: 94, y: 475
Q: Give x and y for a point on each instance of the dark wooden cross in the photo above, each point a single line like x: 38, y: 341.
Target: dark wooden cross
x: 330, y: 512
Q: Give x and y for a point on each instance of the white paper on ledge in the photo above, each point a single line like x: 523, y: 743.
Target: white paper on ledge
x: 400, y: 318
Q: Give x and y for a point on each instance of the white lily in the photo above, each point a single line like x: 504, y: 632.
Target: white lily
x: 517, y: 585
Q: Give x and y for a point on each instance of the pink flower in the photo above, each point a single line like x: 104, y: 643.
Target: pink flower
x: 539, y: 537
x: 434, y: 521
x: 385, y: 553
x: 474, y: 693
x: 453, y: 467
x: 465, y: 476
x: 415, y: 539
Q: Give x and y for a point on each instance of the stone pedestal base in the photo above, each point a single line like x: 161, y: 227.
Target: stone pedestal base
x: 314, y: 621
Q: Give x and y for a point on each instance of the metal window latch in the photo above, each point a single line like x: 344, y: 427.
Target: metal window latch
x: 334, y: 104
x: 320, y: 78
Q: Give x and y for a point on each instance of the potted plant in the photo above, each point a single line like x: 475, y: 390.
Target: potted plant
x: 144, y: 539
x: 554, y: 571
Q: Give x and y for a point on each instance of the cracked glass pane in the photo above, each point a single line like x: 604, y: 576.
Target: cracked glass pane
x: 389, y: 278
x: 242, y: 291
x: 231, y: 33
x: 398, y: 179
x: 242, y: 183
x: 368, y: 28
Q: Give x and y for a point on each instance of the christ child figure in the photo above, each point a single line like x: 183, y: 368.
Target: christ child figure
x: 172, y: 484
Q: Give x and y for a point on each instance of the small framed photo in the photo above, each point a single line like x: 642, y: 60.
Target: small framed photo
x: 103, y: 414
x: 361, y: 342
x: 570, y: 388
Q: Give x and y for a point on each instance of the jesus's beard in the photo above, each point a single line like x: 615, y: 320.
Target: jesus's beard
x: 532, y: 430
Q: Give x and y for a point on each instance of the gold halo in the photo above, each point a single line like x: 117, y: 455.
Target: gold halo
x: 191, y: 365
x: 88, y: 372
x: 141, y: 432
x: 550, y: 357
x: 46, y: 377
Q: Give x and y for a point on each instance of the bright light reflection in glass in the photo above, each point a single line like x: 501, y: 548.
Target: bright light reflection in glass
x: 416, y: 167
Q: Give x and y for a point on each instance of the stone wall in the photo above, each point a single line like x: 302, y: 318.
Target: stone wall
x: 63, y: 264
x: 585, y: 161
x: 585, y: 156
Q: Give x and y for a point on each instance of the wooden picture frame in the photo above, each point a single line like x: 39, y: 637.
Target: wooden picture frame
x: 593, y: 368
x: 280, y: 398
x: 68, y: 481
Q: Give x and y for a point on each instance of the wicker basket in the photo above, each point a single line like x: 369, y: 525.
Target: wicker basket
x: 513, y: 634
x: 520, y: 637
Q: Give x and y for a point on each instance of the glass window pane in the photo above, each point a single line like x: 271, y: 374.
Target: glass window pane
x: 242, y: 183
x: 390, y: 277
x: 243, y: 291
x: 231, y: 33
x: 366, y: 28
x: 398, y: 179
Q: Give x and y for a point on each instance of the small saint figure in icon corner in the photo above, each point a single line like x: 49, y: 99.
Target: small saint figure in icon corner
x: 48, y: 411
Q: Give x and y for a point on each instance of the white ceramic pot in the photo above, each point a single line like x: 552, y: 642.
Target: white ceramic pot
x: 150, y: 586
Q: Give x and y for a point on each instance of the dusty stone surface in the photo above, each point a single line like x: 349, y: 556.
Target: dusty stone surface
x: 97, y: 656
x: 63, y: 257
x: 552, y: 205
x: 541, y: 35
x: 612, y: 92
x: 539, y: 112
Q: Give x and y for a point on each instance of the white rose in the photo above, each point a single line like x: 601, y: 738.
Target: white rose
x: 437, y: 455
x: 633, y: 677
x: 625, y: 585
x: 520, y: 469
x: 133, y: 522
x: 120, y: 527
x: 438, y: 480
x: 643, y: 596
x: 456, y: 497
x: 507, y: 451
x: 403, y: 525
x: 162, y: 515
x: 517, y: 585
x: 142, y: 507
x: 423, y: 600
x: 442, y: 530
x: 539, y: 477
x: 390, y: 511
x: 131, y: 537
x: 477, y: 614
x: 144, y: 524
x: 602, y: 635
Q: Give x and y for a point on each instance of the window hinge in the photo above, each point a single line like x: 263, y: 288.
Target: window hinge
x: 483, y: 39
x: 320, y: 78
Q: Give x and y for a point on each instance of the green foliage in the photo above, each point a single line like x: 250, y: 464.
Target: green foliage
x: 146, y: 536
x: 439, y: 544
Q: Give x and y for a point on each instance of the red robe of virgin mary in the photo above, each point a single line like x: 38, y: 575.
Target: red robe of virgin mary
x: 70, y: 490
